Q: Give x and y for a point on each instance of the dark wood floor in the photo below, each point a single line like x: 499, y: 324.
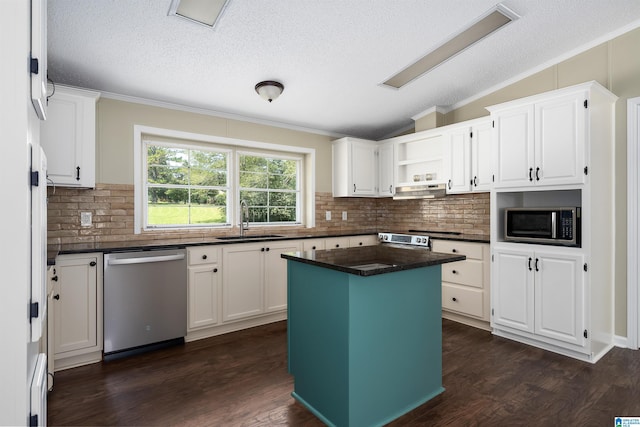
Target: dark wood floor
x: 241, y: 379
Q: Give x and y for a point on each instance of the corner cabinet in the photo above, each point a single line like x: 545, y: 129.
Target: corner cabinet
x: 76, y: 312
x: 68, y: 137
x: 556, y: 150
x: 355, y: 168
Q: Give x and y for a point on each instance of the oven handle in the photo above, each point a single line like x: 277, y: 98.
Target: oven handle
x: 162, y: 258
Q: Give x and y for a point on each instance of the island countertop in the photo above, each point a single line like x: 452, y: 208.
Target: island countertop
x: 372, y: 260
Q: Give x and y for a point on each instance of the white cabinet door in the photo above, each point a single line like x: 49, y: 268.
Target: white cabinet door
x: 76, y: 305
x: 68, y: 137
x: 559, y: 296
x: 386, y: 166
x: 242, y: 281
x: 337, y: 242
x: 459, y: 160
x: 560, y: 140
x: 512, y: 291
x: 513, y: 147
x: 313, y: 244
x: 203, y: 295
x: 481, y: 159
x: 366, y: 240
x: 363, y: 168
x: 276, y: 274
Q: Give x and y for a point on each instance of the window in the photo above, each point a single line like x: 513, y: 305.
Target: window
x: 185, y: 186
x: 270, y: 186
x: 185, y: 180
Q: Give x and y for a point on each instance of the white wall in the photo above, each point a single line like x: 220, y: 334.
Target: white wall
x: 17, y: 119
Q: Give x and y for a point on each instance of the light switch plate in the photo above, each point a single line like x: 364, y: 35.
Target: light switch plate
x: 344, y: 215
x: 85, y: 219
x: 328, y: 215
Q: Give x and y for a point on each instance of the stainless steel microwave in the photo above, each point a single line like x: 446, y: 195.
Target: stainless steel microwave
x: 555, y: 226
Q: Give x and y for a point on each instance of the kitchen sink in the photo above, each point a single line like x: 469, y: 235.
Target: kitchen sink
x: 250, y: 237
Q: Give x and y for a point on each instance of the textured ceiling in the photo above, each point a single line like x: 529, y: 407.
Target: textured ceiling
x: 331, y: 55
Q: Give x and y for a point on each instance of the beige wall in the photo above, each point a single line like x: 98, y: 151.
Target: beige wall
x: 615, y: 65
x: 114, y: 143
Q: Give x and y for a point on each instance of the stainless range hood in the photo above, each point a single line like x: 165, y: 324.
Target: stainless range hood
x: 430, y: 191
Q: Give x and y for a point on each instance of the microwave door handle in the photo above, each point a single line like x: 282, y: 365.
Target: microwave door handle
x: 553, y: 225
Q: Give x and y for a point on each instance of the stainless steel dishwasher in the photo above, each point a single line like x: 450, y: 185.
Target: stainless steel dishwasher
x: 145, y: 300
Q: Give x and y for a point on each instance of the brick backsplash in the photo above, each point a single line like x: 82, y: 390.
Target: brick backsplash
x: 111, y: 206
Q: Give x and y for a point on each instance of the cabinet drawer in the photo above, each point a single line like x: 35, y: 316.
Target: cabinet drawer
x: 462, y: 300
x: 468, y: 249
x: 468, y: 272
x: 202, y: 255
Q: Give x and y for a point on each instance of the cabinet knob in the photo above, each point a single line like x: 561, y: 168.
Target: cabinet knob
x: 54, y: 278
x: 267, y: 249
x: 314, y: 248
x: 360, y: 243
x: 337, y: 245
x: 261, y: 249
x: 454, y: 251
x: 204, y: 256
x: 454, y: 299
x: 56, y: 296
x: 454, y: 271
x: 93, y: 263
x: 215, y: 270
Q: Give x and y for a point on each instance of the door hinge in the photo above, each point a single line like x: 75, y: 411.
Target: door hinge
x: 34, y: 310
x: 34, y: 65
x: 586, y: 170
x: 585, y: 334
x: 33, y: 420
x: 585, y: 267
x: 34, y: 178
x: 586, y: 104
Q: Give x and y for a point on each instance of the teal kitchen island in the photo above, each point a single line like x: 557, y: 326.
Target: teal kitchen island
x: 365, y: 331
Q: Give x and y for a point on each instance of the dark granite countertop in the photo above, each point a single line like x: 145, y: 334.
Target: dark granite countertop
x: 139, y: 245
x: 372, y: 260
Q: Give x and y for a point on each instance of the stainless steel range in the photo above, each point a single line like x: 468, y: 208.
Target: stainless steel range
x: 405, y: 240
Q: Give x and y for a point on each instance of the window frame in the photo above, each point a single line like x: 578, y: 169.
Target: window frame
x: 299, y: 181
x: 307, y: 175
x: 150, y: 140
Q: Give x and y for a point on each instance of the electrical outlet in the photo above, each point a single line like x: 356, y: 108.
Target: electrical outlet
x: 85, y: 219
x: 344, y: 215
x: 328, y: 215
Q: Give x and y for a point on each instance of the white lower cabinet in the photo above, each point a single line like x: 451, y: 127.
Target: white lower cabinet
x: 337, y: 242
x: 254, y: 279
x: 540, y: 294
x: 76, y: 311
x: 364, y: 240
x: 204, y: 286
x: 466, y: 284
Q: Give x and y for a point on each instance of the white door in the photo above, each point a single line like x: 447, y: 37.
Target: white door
x: 512, y: 291
x: 203, y: 295
x: 513, y: 147
x: 276, y: 274
x: 560, y: 140
x: 459, y: 160
x: 363, y: 168
x: 481, y: 160
x: 559, y: 297
x: 242, y: 281
x: 386, y: 186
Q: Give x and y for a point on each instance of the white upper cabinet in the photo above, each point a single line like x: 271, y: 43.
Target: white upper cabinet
x: 541, y: 141
x: 469, y: 156
x: 355, y: 168
x: 386, y: 166
x: 68, y: 137
x: 421, y: 158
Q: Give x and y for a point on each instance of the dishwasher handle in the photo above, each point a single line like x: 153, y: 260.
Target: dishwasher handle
x: 144, y: 260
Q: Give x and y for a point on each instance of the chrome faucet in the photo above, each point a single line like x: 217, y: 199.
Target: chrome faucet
x: 244, y: 216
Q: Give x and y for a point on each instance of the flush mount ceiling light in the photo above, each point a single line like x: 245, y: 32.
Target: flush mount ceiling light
x: 203, y: 12
x: 496, y: 18
x: 269, y: 89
